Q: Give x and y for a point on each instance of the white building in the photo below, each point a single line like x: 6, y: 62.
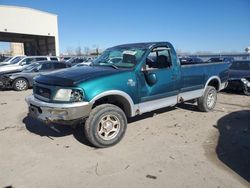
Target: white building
x: 37, y: 30
x: 247, y: 49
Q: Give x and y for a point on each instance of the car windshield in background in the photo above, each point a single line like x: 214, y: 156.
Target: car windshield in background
x: 30, y: 67
x: 237, y: 65
x: 66, y: 58
x: 120, y: 57
x: 15, y: 60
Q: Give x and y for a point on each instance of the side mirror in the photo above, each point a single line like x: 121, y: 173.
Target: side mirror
x: 151, y: 78
x: 36, y: 70
x: 23, y: 63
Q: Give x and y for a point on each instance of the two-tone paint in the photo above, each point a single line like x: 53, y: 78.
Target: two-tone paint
x: 175, y: 84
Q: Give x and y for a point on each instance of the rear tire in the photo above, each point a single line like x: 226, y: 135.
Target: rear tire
x: 246, y: 91
x: 208, y: 100
x: 20, y: 84
x: 105, y: 126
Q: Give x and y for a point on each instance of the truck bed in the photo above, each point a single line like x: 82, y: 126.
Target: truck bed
x: 194, y: 77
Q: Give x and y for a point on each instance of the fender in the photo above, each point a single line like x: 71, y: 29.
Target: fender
x: 213, y: 78
x: 133, y: 107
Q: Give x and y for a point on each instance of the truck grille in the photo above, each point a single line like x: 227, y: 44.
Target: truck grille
x: 42, y: 91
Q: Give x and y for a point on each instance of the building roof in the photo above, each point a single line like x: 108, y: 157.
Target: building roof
x: 26, y: 8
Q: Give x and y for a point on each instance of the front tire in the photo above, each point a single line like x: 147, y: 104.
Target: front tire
x: 105, y: 126
x: 208, y: 100
x: 20, y: 84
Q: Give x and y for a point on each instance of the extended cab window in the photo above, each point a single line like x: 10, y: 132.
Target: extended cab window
x: 159, y: 58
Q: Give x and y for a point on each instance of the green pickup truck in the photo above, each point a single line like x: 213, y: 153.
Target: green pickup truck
x: 125, y: 81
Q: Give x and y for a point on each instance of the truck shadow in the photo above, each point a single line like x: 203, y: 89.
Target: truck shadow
x: 59, y: 130
x: 231, y: 92
x: 233, y: 147
x: 55, y: 130
x: 188, y: 106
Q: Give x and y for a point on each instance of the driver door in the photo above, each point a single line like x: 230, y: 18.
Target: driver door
x: 158, y: 81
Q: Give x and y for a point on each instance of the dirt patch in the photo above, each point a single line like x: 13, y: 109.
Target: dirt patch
x: 172, y: 147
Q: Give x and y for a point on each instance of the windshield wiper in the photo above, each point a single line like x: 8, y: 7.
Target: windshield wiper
x: 105, y: 64
x: 112, y: 65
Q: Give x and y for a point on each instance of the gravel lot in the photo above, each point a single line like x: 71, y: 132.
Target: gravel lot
x: 172, y: 147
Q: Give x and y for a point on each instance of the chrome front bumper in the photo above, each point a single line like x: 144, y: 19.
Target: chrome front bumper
x: 57, y: 112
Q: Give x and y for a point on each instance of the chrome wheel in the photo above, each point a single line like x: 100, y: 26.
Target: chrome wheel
x: 211, y: 99
x: 105, y: 126
x: 246, y: 90
x: 108, y: 127
x: 21, y: 85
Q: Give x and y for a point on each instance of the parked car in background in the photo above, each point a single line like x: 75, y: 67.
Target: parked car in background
x: 91, y: 59
x: 75, y: 60
x: 239, y: 77
x: 2, y: 58
x: 23, y: 62
x: 22, y: 80
x: 11, y: 60
x: 190, y: 60
x: 221, y: 59
x: 106, y: 93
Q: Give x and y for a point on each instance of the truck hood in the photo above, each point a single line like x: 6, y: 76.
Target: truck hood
x: 75, y: 75
x: 238, y: 74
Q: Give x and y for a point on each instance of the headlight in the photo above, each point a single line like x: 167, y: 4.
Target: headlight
x: 63, y: 95
x: 72, y: 95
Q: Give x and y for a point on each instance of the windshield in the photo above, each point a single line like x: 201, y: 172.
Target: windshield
x: 245, y: 65
x: 7, y: 59
x: 30, y: 67
x: 16, y: 60
x: 120, y: 57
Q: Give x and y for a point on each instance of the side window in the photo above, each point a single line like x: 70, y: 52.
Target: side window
x: 59, y: 65
x: 40, y: 59
x: 53, y: 59
x: 30, y: 60
x: 46, y: 66
x: 27, y: 61
x: 159, y: 58
x: 244, y: 66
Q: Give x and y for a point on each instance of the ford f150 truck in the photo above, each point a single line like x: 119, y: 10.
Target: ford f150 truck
x: 125, y: 81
